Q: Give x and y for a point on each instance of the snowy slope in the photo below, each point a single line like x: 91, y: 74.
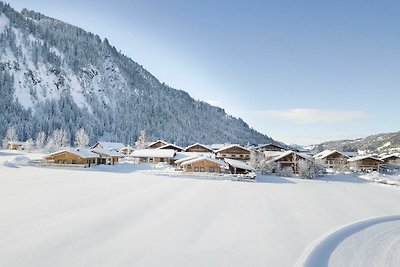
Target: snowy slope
x: 60, y: 76
x: 124, y: 216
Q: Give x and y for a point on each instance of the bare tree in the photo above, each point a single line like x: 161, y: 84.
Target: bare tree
x: 81, y: 138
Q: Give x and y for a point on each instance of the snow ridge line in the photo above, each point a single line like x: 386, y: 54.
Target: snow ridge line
x: 317, y: 254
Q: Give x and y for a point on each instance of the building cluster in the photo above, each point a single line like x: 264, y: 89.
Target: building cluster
x: 216, y: 158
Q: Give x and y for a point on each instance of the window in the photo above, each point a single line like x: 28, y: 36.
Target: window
x: 241, y: 156
x: 202, y: 169
x: 211, y: 169
x: 150, y: 159
x: 74, y: 161
x: 162, y: 159
x: 65, y: 161
x: 196, y: 169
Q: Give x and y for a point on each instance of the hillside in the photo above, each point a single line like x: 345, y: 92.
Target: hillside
x: 386, y: 142
x: 55, y: 75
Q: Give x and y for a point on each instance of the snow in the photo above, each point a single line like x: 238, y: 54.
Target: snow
x: 153, y: 153
x: 327, y: 153
x: 107, y: 152
x: 357, y: 158
x: 83, y: 153
x: 239, y: 164
x: 124, y: 215
x: 4, y: 21
x: 111, y: 145
x: 231, y: 146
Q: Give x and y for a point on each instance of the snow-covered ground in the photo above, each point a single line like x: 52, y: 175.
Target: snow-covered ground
x: 130, y: 215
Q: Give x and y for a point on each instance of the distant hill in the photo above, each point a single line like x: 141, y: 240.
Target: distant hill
x: 386, y: 142
x: 55, y: 75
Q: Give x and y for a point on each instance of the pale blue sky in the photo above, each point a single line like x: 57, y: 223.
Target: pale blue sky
x: 298, y: 71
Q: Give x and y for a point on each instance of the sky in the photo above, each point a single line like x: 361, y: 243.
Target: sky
x: 299, y: 71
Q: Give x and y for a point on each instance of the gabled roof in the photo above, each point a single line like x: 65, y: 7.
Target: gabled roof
x: 390, y: 156
x: 269, y: 144
x: 363, y: 157
x: 170, y: 145
x: 16, y: 143
x: 153, y: 153
x: 179, y: 161
x: 198, y: 159
x: 231, y: 146
x: 107, y: 152
x: 287, y: 153
x: 83, y: 153
x: 158, y: 141
x: 239, y: 164
x: 327, y: 153
x: 198, y: 144
x: 110, y: 145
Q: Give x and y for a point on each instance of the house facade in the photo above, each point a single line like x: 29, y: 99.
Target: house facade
x: 233, y: 152
x: 290, y: 159
x: 199, y: 148
x: 157, y: 144
x: 332, y: 158
x: 203, y: 164
x: 269, y: 147
x: 107, y: 157
x: 154, y: 155
x: 365, y: 163
x: 15, y: 145
x: 73, y: 157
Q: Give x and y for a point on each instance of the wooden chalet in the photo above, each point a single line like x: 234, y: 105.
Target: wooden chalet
x: 238, y: 167
x: 365, y: 163
x: 198, y: 148
x: 269, y: 147
x: 171, y: 146
x: 107, y: 157
x: 15, y: 145
x: 109, y: 146
x: 203, y: 164
x: 127, y: 150
x: 233, y: 152
x: 157, y: 144
x: 71, y: 156
x: 154, y: 155
x: 290, y: 159
x: 391, y: 159
x: 332, y: 158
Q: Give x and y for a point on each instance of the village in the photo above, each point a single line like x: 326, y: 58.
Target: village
x: 224, y: 159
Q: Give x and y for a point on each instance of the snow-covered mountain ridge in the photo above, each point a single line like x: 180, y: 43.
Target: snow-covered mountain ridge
x: 55, y: 75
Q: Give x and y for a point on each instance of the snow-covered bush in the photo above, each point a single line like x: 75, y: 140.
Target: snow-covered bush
x: 267, y: 168
x: 40, y: 141
x: 285, y: 172
x: 29, y: 145
x: 309, y: 169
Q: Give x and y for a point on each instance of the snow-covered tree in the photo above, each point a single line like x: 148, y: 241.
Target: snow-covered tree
x: 285, y: 172
x: 60, y: 138
x: 81, y: 138
x: 309, y: 169
x: 29, y: 145
x: 141, y: 142
x: 11, y: 136
x: 40, y: 141
x: 268, y: 168
x: 255, y: 159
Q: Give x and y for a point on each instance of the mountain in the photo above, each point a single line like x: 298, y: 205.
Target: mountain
x: 386, y: 142
x: 55, y: 75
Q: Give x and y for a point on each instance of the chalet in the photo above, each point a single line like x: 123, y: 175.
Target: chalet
x: 171, y: 146
x: 109, y: 145
x: 238, y: 167
x: 106, y: 156
x: 365, y: 163
x: 154, y: 155
x: 269, y: 147
x: 391, y: 159
x: 233, y: 152
x: 179, y: 156
x: 332, y: 158
x: 126, y: 150
x: 15, y: 145
x: 289, y: 159
x: 198, y: 148
x: 157, y: 144
x: 73, y: 157
x: 203, y: 164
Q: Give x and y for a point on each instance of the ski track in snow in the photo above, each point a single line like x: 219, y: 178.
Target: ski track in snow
x: 372, y: 242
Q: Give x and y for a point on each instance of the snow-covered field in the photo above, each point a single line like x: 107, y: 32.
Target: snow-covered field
x: 128, y: 215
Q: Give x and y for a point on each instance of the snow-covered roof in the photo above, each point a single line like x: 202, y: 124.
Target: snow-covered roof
x: 273, y: 154
x: 327, y: 153
x: 287, y: 153
x: 231, y: 146
x: 179, y: 161
x: 198, y: 159
x: 107, y: 152
x: 217, y: 146
x: 389, y: 156
x: 198, y: 144
x: 268, y: 144
x: 111, y: 145
x: 83, y: 153
x: 357, y: 158
x: 16, y: 143
x: 183, y: 155
x: 172, y: 145
x: 239, y: 164
x: 153, y: 153
x: 155, y: 142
